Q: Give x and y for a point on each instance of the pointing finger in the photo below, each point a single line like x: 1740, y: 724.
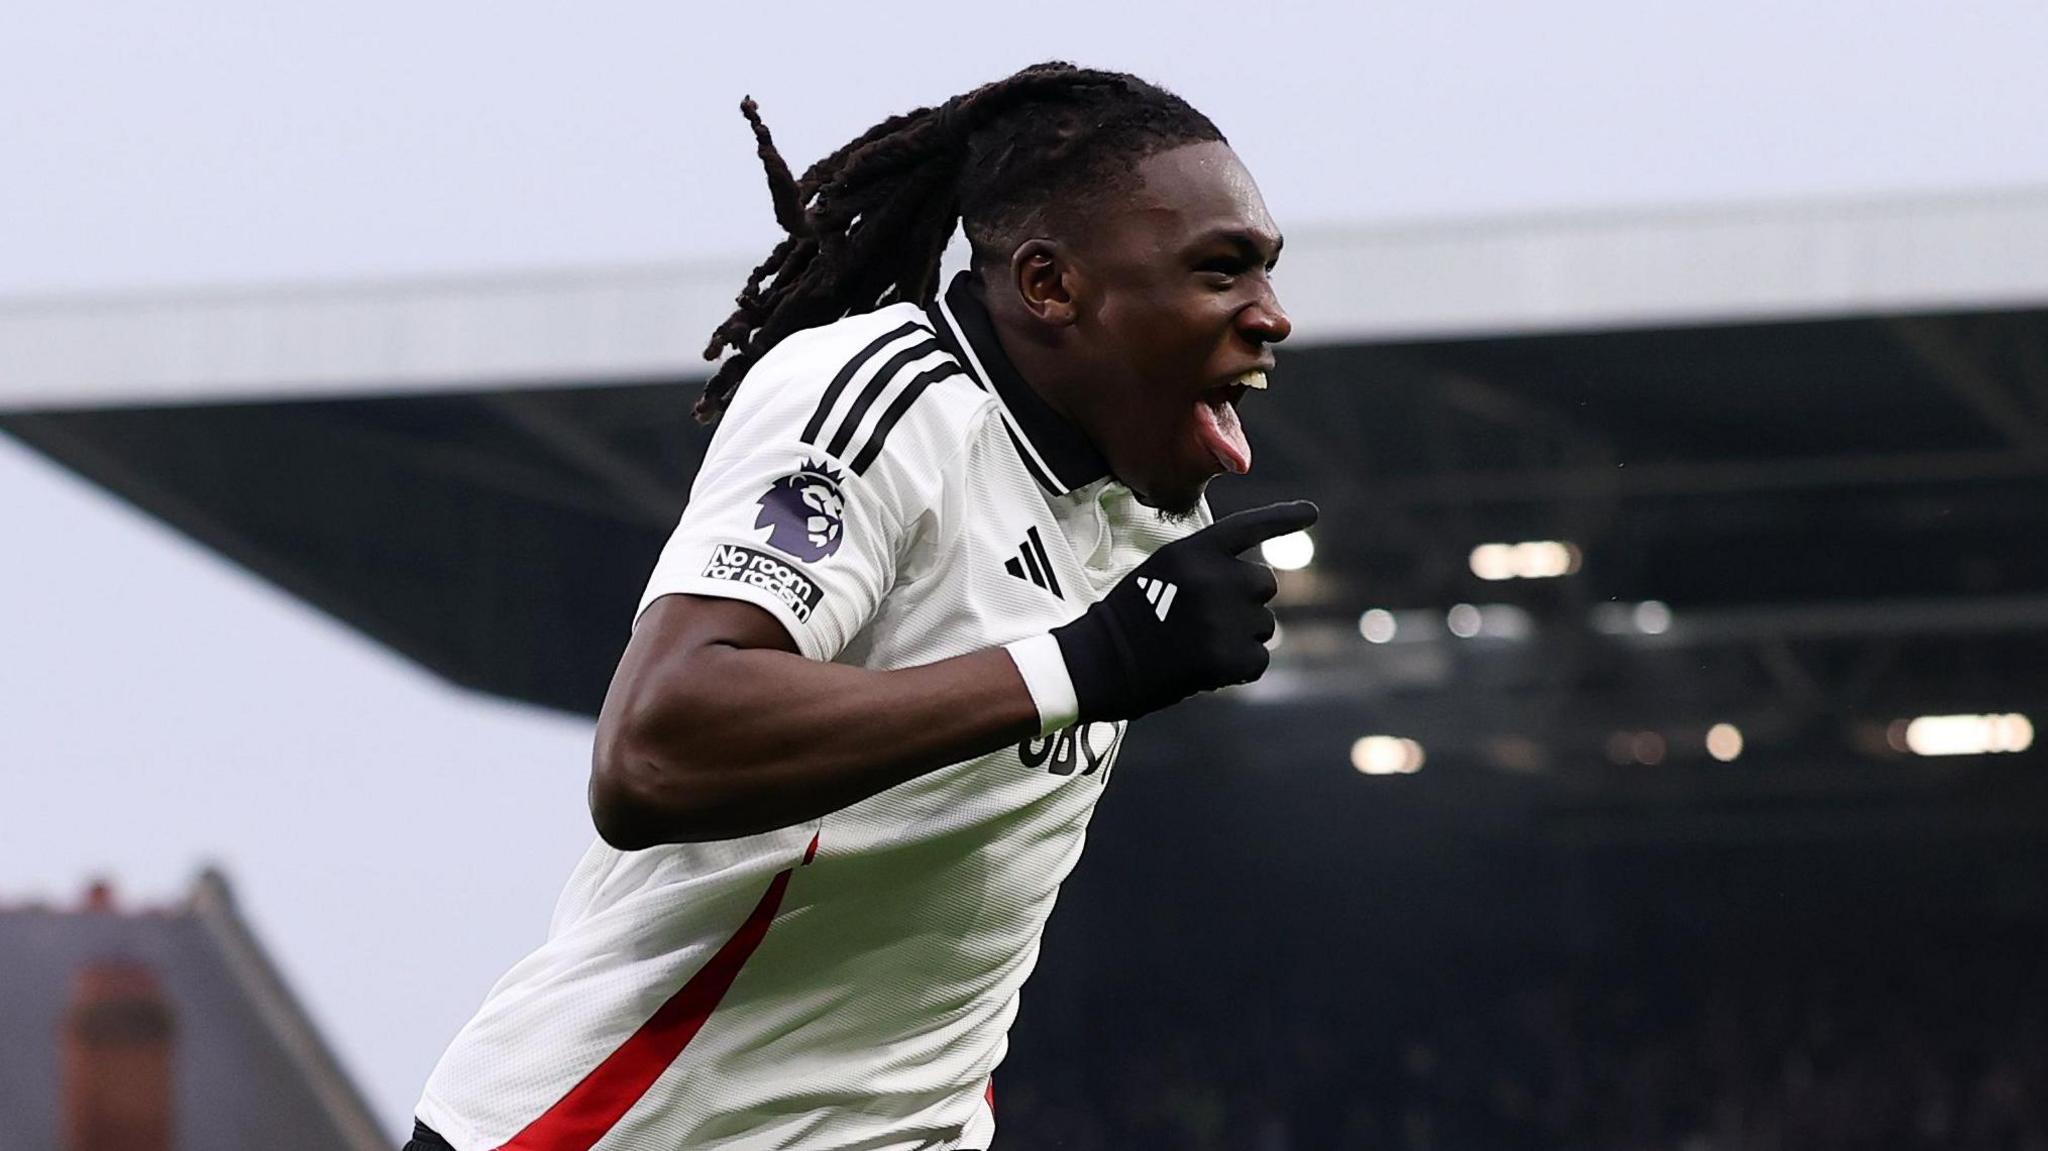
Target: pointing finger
x: 1240, y: 530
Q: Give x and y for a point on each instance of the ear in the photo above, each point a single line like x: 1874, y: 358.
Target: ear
x: 1046, y: 281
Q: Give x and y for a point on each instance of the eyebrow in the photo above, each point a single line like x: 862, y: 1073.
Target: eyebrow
x: 1247, y: 244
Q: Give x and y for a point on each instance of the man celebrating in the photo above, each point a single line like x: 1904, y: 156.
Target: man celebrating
x: 940, y: 550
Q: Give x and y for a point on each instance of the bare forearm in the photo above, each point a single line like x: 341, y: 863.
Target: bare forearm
x: 764, y: 739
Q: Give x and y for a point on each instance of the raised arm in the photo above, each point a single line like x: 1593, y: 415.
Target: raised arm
x: 715, y: 727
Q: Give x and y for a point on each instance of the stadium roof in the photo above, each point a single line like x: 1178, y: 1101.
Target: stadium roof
x: 1455, y: 278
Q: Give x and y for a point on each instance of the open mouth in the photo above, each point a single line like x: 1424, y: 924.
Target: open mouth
x: 1220, y: 429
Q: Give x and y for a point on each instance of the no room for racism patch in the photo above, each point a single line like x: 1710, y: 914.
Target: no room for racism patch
x: 779, y: 578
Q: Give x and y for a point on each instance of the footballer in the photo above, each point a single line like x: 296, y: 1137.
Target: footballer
x: 947, y: 540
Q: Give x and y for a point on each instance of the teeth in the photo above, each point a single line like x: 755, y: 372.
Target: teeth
x: 1255, y: 380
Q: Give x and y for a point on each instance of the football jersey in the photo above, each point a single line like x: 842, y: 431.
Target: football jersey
x: 893, y: 492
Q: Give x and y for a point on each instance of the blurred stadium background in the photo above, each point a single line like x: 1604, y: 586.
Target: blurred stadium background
x: 1649, y: 758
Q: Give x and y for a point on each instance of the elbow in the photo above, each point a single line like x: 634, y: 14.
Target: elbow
x: 622, y: 821
x: 638, y: 801
x: 656, y: 772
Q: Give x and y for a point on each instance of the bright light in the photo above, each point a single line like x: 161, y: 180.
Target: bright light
x: 1724, y: 742
x: 1546, y: 559
x: 1291, y: 552
x: 2013, y: 732
x: 1464, y: 620
x: 1378, y: 625
x: 1534, y: 559
x: 1969, y: 734
x: 1653, y: 617
x: 1387, y: 755
x: 1493, y: 561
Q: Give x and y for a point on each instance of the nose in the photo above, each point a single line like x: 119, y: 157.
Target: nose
x: 1265, y: 321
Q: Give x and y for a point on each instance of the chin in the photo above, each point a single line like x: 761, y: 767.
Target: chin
x: 1176, y: 504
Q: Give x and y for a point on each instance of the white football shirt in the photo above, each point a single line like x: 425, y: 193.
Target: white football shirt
x: 891, y: 490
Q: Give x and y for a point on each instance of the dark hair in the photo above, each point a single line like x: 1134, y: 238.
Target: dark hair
x: 867, y: 224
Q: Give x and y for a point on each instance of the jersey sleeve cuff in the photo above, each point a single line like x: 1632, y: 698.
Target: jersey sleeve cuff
x: 1044, y: 669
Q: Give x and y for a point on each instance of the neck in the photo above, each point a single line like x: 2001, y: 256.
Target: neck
x: 1035, y: 352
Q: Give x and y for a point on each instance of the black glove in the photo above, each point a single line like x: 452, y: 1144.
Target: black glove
x: 1191, y: 618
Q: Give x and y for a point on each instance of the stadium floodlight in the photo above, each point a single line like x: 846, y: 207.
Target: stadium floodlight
x: 1531, y: 559
x: 1378, y: 625
x: 1934, y: 735
x: 1290, y: 552
x: 1493, y: 561
x: 1464, y: 620
x: 1724, y: 742
x: 1387, y: 755
x: 1652, y: 617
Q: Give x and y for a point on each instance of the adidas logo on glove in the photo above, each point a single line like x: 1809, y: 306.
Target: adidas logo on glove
x: 1121, y: 664
x: 1159, y: 594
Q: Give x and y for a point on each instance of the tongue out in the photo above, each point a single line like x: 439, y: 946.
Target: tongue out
x: 1223, y: 435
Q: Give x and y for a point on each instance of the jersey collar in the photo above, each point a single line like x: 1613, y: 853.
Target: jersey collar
x: 1053, y: 450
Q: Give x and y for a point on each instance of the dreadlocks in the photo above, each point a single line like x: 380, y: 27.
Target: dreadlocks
x: 867, y: 224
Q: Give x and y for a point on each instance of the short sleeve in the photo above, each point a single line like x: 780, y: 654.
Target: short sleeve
x: 807, y: 502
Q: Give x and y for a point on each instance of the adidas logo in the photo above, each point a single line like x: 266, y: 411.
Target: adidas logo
x: 1033, y: 565
x: 1159, y: 594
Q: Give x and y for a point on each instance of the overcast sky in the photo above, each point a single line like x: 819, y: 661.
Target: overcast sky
x: 397, y: 842
x: 239, y: 141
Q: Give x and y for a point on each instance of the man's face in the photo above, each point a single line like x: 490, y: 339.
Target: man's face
x: 1174, y: 310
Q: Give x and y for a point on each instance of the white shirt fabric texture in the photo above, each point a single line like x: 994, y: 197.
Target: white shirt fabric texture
x: 892, y: 491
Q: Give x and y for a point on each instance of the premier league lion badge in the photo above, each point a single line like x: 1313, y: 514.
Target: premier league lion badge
x: 803, y: 512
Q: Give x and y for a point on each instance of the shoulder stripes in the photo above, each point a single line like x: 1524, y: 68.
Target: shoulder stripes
x: 912, y: 343
x: 846, y: 374
x: 910, y: 354
x: 896, y: 409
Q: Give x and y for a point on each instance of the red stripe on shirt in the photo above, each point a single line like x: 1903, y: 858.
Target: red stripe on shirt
x: 595, y: 1105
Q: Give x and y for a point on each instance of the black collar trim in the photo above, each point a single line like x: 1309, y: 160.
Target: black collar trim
x: 1055, y: 451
